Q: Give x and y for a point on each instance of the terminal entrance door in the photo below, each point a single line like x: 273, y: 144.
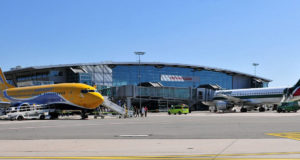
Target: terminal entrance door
x: 162, y: 105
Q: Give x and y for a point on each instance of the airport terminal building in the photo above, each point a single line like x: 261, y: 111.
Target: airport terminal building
x: 157, y: 85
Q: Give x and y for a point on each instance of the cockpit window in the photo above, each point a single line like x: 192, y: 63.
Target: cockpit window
x: 87, y: 91
x: 84, y: 91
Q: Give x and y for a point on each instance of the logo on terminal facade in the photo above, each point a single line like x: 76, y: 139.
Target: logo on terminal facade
x: 177, y: 78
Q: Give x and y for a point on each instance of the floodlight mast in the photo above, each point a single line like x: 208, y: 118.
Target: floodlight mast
x: 139, y: 76
x: 255, y: 65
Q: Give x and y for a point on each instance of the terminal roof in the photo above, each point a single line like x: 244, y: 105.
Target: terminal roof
x: 156, y: 64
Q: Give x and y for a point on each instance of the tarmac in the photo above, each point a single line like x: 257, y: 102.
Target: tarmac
x: 276, y: 136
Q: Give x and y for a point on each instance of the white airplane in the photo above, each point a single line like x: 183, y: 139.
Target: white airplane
x: 253, y: 97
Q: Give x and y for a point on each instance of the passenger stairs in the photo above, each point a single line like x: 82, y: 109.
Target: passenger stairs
x: 109, y: 104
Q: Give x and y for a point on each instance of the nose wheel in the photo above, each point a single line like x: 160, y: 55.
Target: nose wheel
x: 84, y: 115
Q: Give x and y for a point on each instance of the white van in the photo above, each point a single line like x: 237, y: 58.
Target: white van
x: 26, y: 111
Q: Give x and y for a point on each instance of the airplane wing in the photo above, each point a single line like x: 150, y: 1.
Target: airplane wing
x: 251, y: 102
x: 237, y: 100
x: 230, y: 98
x: 65, y: 106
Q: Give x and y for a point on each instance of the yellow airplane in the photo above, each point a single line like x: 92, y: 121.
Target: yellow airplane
x: 62, y: 96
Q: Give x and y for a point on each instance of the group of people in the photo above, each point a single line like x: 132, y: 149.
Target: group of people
x: 140, y: 111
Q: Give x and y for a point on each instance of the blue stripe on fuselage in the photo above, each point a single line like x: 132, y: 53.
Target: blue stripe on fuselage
x: 1, y: 79
x: 44, y: 98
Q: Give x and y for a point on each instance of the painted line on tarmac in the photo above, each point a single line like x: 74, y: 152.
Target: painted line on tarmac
x: 50, y: 126
x: 148, y: 158
x: 289, y: 135
x: 179, y: 157
x: 7, y: 122
x: 135, y: 135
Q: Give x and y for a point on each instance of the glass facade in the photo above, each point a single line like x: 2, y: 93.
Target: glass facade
x: 33, y: 83
x: 85, y: 78
x: 110, y: 75
x: 169, y: 76
x: 265, y: 84
x: 149, y: 92
x: 101, y: 75
x: 164, y: 92
x: 33, y: 77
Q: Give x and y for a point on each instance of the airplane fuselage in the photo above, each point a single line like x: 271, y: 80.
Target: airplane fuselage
x: 253, y: 96
x: 75, y: 94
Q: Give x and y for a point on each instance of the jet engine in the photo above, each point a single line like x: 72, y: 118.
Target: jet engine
x: 223, y: 105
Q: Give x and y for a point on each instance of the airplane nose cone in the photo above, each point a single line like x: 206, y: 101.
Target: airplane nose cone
x: 97, y: 99
x: 101, y: 98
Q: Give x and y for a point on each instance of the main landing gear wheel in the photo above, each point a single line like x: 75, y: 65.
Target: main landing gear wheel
x: 84, y: 115
x: 261, y: 109
x: 54, y: 115
x: 243, y: 109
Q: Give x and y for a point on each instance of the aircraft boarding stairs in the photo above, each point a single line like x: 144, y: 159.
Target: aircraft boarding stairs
x: 109, y: 104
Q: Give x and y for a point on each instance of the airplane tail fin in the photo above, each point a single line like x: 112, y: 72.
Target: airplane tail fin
x: 3, y: 82
x: 290, y: 92
x: 297, y: 84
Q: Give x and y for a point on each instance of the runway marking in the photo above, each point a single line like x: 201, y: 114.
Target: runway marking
x: 290, y: 135
x: 6, y: 122
x: 179, y: 157
x: 135, y: 135
x: 149, y: 158
x: 50, y: 126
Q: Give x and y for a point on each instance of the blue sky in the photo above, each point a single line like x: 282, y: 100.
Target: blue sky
x: 230, y: 34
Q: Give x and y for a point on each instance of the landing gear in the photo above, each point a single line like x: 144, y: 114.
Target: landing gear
x: 243, y: 109
x: 275, y: 107
x: 84, y: 115
x: 261, y: 109
x: 54, y: 115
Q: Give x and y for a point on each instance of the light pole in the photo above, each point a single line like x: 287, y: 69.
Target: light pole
x: 255, y: 65
x: 140, y: 54
x: 94, y: 77
x: 103, y: 76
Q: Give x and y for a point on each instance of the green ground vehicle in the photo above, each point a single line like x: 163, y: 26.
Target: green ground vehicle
x: 179, y: 109
x: 288, y: 107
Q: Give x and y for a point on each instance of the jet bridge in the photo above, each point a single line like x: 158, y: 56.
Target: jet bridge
x: 206, y: 92
x: 109, y: 104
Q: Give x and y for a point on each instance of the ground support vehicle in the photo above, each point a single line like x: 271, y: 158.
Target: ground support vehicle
x: 288, y: 107
x: 27, y: 111
x: 179, y: 109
